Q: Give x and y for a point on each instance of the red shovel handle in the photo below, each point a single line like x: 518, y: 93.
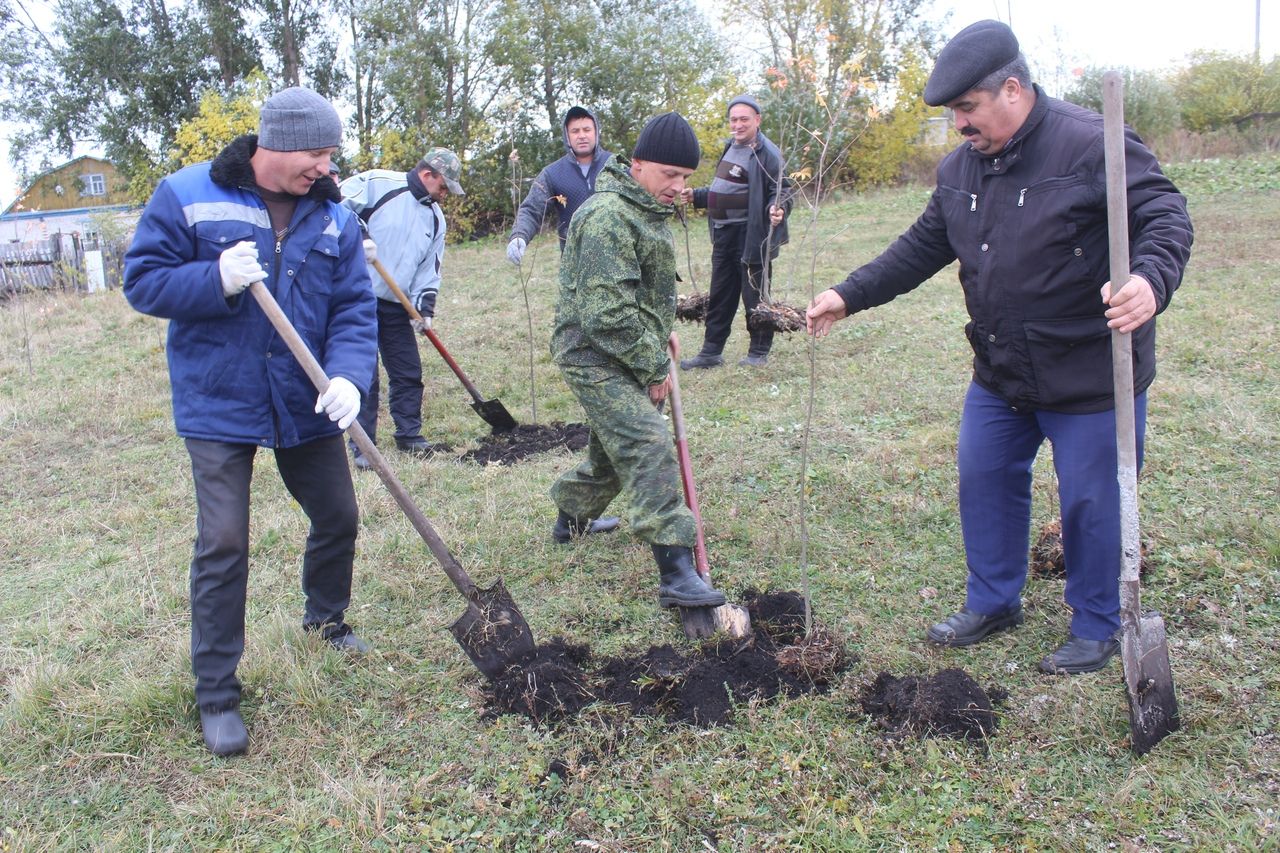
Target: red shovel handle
x: 686, y: 466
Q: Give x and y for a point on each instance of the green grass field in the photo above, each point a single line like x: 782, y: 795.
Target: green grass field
x: 99, y: 737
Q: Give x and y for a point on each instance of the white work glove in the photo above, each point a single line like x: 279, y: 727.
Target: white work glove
x: 370, y: 250
x: 341, y: 400
x: 421, y: 325
x: 239, y: 268
x: 515, y: 250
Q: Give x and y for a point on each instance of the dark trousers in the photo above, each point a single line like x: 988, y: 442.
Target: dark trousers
x: 997, y: 449
x: 398, y: 344
x: 317, y: 476
x: 732, y: 282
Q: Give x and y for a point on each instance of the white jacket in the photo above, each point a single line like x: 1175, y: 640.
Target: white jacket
x: 409, y: 233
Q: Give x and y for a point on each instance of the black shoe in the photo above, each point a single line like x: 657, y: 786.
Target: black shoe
x: 361, y: 461
x: 701, y: 361
x: 679, y: 582
x: 750, y: 360
x: 966, y: 627
x: 224, y: 731
x: 569, y: 528
x: 416, y: 446
x: 349, y: 643
x: 1079, y: 655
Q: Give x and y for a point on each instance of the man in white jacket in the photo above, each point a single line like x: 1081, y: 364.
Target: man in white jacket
x: 406, y: 230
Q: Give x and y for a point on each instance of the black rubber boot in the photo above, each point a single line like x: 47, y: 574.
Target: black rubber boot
x: 568, y: 528
x: 679, y: 583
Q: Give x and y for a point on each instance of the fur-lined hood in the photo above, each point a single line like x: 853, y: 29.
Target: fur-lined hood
x: 232, y: 168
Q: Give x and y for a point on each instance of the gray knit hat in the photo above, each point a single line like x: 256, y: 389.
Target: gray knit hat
x: 298, y: 119
x: 745, y: 100
x: 668, y: 139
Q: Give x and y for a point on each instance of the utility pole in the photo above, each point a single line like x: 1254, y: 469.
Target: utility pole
x: 1257, y: 31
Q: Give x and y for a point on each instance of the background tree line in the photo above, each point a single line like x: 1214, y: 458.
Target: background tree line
x: 156, y: 84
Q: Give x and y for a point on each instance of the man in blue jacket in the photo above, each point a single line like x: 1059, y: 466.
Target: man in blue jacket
x: 265, y: 210
x: 563, y: 185
x: 406, y: 227
x: 1022, y: 205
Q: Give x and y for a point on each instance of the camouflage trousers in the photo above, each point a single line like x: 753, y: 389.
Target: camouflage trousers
x: 630, y: 450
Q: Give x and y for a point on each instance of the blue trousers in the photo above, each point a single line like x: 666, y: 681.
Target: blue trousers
x: 317, y: 476
x: 997, y: 449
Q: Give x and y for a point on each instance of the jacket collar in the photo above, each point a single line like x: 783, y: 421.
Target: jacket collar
x: 232, y: 168
x: 616, y: 177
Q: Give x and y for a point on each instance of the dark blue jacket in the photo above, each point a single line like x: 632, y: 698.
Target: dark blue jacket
x: 1029, y: 227
x: 232, y: 376
x: 561, y: 179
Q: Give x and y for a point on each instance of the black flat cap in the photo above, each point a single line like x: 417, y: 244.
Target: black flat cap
x: 972, y: 54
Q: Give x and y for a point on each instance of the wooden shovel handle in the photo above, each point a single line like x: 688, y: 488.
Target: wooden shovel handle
x: 316, y: 373
x: 1122, y: 348
x: 686, y: 466
x: 429, y: 333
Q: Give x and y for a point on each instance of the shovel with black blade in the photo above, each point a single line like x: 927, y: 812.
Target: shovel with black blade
x: 1144, y: 648
x: 492, y: 411
x: 492, y: 631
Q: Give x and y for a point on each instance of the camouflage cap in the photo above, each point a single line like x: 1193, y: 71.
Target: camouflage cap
x: 446, y: 163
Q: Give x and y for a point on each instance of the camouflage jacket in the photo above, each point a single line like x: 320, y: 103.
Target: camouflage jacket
x: 617, y: 281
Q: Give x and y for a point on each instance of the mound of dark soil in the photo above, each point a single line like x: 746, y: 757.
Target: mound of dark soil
x: 550, y: 687
x: 779, y: 615
x: 700, y: 687
x: 507, y: 448
x: 692, y: 309
x: 778, y: 316
x: 949, y: 704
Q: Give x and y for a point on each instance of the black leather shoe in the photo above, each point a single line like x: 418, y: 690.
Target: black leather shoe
x: 417, y: 446
x: 350, y: 644
x: 966, y: 627
x: 679, y: 584
x: 701, y: 361
x: 224, y: 731
x: 569, y: 528
x: 1079, y: 655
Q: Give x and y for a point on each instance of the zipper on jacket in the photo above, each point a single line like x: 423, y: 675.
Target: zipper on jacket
x: 1022, y: 195
x: 973, y: 202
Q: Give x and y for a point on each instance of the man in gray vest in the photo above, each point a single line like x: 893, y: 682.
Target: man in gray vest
x: 747, y: 227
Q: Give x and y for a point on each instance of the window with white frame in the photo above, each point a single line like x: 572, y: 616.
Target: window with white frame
x: 94, y: 185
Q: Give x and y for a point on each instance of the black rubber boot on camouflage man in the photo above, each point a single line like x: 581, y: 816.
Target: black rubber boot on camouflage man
x: 568, y: 528
x: 679, y: 584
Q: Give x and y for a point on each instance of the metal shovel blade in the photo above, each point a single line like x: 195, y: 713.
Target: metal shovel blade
x: 495, y: 415
x: 493, y: 632
x: 1153, y: 707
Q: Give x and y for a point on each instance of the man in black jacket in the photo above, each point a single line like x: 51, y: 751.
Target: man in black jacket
x: 747, y: 227
x: 1022, y: 205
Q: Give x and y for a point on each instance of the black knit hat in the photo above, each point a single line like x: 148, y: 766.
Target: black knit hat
x: 973, y: 53
x: 668, y: 139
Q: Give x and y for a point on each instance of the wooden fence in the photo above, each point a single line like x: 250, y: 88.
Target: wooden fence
x: 62, y: 262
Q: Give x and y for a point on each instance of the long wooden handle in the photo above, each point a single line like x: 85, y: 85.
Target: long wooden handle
x: 686, y: 470
x: 1122, y: 349
x: 430, y: 334
x: 316, y: 373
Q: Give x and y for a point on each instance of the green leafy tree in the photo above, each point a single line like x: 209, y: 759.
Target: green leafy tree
x: 1219, y: 89
x: 1150, y: 106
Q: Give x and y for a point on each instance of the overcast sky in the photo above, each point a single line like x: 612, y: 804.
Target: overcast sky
x: 1059, y: 36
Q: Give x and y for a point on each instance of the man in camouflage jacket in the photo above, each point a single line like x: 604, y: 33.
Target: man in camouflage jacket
x: 613, y: 322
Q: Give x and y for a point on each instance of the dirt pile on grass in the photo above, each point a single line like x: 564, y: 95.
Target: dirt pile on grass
x: 948, y: 704
x: 700, y: 687
x: 507, y: 448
